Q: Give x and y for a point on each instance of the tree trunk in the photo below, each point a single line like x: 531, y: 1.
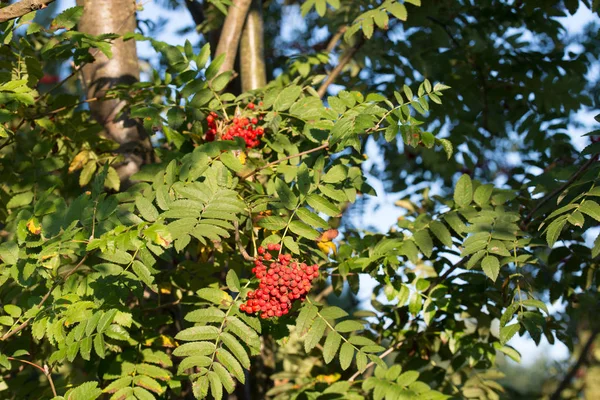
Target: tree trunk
x: 232, y: 31
x: 115, y: 16
x: 252, y: 55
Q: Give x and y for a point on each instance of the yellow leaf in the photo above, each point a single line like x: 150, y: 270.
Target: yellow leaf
x: 79, y: 161
x: 328, y: 378
x: 165, y: 288
x: 326, y: 247
x: 34, y: 226
x: 162, y: 340
x: 242, y: 157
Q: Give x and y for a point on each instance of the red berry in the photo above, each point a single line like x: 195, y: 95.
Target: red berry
x: 251, y: 106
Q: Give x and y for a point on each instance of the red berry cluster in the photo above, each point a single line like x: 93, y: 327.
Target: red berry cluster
x: 243, y: 127
x: 283, y: 282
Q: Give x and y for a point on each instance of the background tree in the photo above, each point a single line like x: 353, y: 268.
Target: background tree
x: 220, y: 256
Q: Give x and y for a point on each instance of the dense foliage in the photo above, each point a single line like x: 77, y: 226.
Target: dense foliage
x: 215, y: 269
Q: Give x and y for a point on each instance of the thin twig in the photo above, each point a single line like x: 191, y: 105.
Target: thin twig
x: 324, y: 293
x: 336, y: 38
x: 571, y: 374
x: 369, y: 365
x: 44, y: 370
x: 21, y: 8
x: 560, y: 189
x: 43, y: 300
x: 241, y: 248
x: 339, y: 68
x: 303, y: 153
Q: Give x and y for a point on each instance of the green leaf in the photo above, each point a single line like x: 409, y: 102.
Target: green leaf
x: 463, y: 192
x: 87, y: 172
x: 226, y: 379
x: 20, y: 200
x: 116, y: 332
x: 507, y: 332
x: 300, y: 228
x: 194, y: 349
x: 441, y: 232
x: 596, y: 248
x: 146, y: 209
x: 232, y: 365
x: 236, y: 348
x: 68, y: 18
x: 407, y: 378
x: 272, y: 223
x: 216, y: 389
x: 398, y: 10
x: 415, y: 303
x: 349, y: 326
x: 13, y: 310
x: 311, y: 218
x: 536, y: 303
x: 220, y: 81
x: 193, y: 361
x: 198, y: 333
x: 576, y: 219
x: 447, y: 145
x: 483, y: 194
x: 233, y: 282
x: 287, y: 97
x: 497, y: 247
x: 286, y: 196
x: 9, y: 253
x: 491, y: 267
x: 142, y: 272
x: 214, y: 295
x: 591, y: 208
x: 99, y: 346
x: 118, y: 384
x: 331, y: 346
x: 105, y: 320
x: 554, y: 230
x: 142, y: 394
x: 335, y: 174
x: 424, y: 242
x: 85, y: 391
x: 346, y: 355
x: 320, y: 204
x: 314, y: 335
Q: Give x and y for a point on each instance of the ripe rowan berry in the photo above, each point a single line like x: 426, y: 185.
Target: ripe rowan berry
x: 283, y: 282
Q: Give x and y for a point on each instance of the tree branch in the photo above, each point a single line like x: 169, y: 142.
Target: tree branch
x: 44, y: 370
x: 346, y: 58
x: 240, y: 246
x: 369, y: 365
x: 557, y: 191
x: 21, y: 8
x: 24, y: 325
x: 231, y: 33
x: 571, y: 374
x: 336, y: 38
x: 446, y: 274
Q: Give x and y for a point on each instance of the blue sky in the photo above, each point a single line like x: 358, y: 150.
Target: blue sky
x: 382, y: 213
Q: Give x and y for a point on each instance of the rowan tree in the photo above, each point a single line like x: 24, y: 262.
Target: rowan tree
x: 191, y: 235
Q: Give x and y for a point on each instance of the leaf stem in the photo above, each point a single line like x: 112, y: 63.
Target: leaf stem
x: 302, y: 153
x: 45, y: 370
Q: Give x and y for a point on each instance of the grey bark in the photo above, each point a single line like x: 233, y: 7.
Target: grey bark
x: 115, y: 16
